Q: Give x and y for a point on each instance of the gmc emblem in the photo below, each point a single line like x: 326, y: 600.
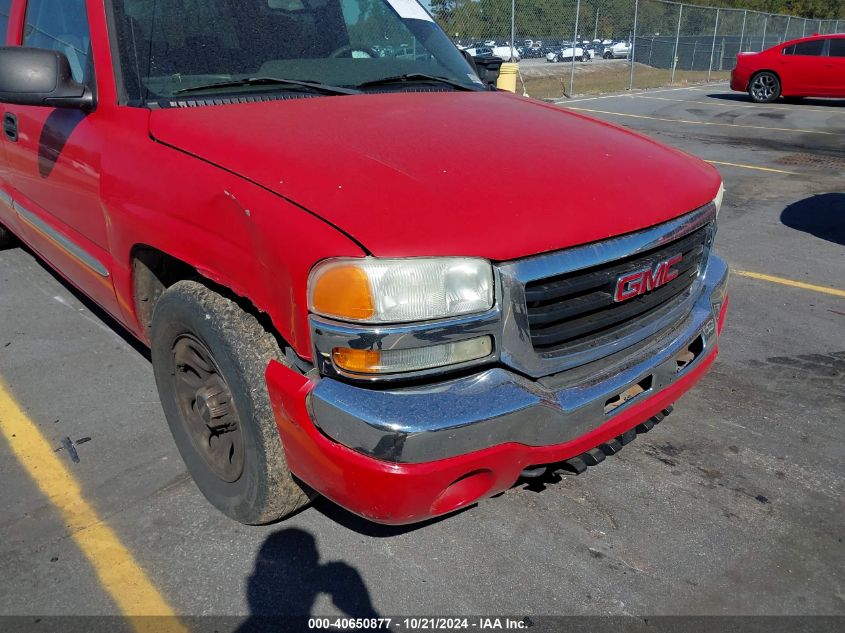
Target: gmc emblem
x: 639, y: 282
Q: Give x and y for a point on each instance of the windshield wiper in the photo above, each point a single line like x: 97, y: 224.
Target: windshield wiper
x: 272, y: 81
x: 417, y: 78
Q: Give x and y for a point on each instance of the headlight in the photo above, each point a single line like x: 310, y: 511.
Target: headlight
x: 373, y: 290
x: 717, y: 201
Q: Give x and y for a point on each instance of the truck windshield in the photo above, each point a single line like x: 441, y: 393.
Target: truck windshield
x: 169, y: 48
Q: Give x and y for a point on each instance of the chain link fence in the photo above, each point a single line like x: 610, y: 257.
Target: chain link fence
x: 568, y: 47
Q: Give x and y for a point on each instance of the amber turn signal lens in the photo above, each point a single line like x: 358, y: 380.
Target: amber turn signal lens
x: 359, y: 361
x: 343, y: 291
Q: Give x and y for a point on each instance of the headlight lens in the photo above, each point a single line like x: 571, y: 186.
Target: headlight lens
x: 400, y: 290
x: 718, y: 199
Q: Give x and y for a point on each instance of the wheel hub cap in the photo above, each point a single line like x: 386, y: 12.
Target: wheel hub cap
x: 208, y: 413
x: 763, y: 87
x: 212, y: 404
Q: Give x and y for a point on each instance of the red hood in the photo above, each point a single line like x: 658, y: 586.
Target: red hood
x: 482, y: 174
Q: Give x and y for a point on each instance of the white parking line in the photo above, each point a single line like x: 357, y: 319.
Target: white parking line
x: 636, y: 94
x: 757, y: 106
x: 710, y: 123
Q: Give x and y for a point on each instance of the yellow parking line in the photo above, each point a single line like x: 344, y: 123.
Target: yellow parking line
x: 117, y: 570
x: 789, y: 282
x: 657, y: 118
x: 755, y: 167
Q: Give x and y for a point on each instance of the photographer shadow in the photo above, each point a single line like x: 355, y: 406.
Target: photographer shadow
x: 287, y: 579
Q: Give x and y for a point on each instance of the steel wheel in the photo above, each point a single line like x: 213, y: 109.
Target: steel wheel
x: 210, y: 357
x: 764, y: 87
x: 208, y: 413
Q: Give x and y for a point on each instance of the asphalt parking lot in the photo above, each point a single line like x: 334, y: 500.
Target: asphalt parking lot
x: 733, y: 505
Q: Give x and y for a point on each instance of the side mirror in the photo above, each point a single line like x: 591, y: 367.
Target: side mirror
x: 488, y: 69
x: 40, y: 77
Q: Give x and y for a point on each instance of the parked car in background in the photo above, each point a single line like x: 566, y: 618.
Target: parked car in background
x: 384, y: 51
x: 565, y: 55
x: 620, y: 50
x: 806, y: 67
x: 597, y: 49
x: 480, y: 51
x: 504, y: 51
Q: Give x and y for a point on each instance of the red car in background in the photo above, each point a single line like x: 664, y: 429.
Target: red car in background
x: 807, y: 67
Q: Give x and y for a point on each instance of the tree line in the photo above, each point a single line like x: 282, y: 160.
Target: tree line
x: 816, y: 9
x: 471, y: 19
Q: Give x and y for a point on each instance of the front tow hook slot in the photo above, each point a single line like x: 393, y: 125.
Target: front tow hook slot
x: 687, y: 356
x: 629, y: 394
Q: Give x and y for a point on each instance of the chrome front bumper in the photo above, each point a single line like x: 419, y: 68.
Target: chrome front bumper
x: 495, y: 406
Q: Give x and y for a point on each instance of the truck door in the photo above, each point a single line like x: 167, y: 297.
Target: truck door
x: 53, y: 156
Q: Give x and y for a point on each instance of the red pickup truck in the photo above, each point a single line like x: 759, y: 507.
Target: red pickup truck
x: 287, y: 201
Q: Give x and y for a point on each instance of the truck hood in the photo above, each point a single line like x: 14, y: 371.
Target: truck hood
x: 479, y: 174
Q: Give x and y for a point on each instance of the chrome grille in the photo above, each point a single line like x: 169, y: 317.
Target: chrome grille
x: 567, y: 310
x: 557, y: 310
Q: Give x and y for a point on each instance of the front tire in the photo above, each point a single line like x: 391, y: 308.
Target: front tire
x: 764, y: 87
x: 209, y: 358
